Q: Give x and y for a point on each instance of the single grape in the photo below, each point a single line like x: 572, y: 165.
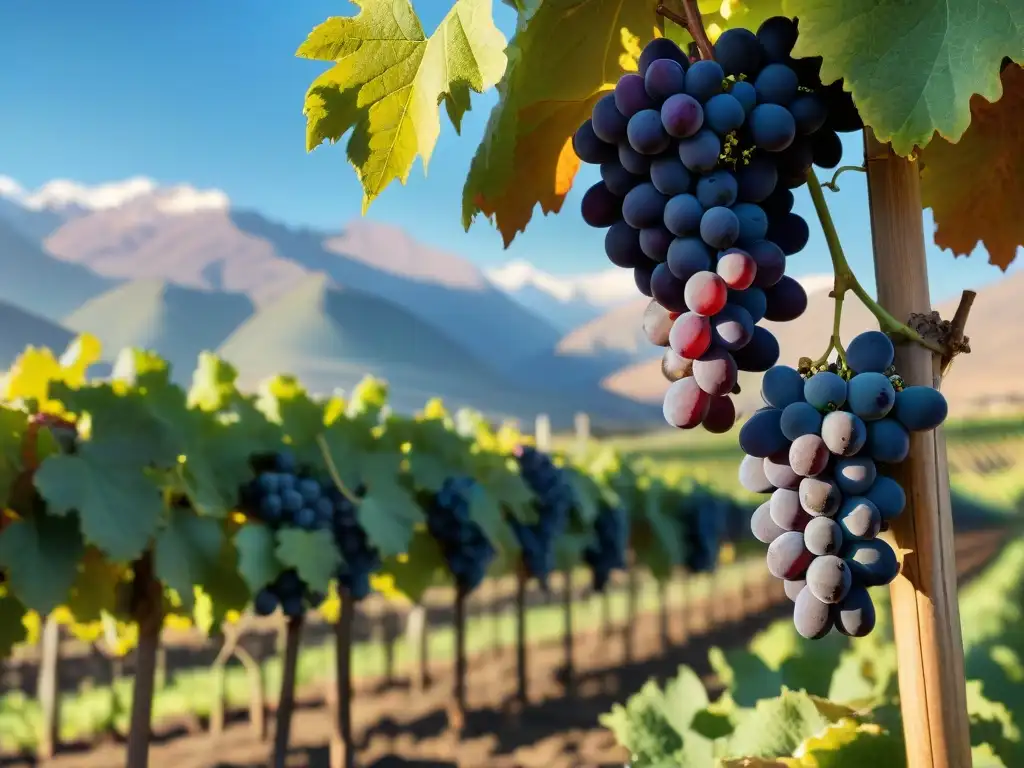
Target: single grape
x: 760, y: 354
x: 706, y: 293
x: 809, y: 112
x: 700, y: 152
x: 873, y: 562
x: 690, y: 335
x: 622, y: 246
x: 756, y: 180
x: 644, y: 206
x: 819, y: 496
x: 682, y: 116
x: 719, y: 227
x: 778, y: 203
x: 812, y: 618
x: 721, y: 415
x: 631, y: 95
x: 844, y: 433
x: 589, y: 148
x: 717, y: 188
x: 761, y: 434
x: 871, y: 396
x: 661, y: 48
x: 744, y: 93
x: 800, y: 418
x: 856, y: 614
x: 738, y: 270
x: 751, y: 299
x: 772, y: 127
x: 786, y: 512
x: 870, y: 352
x: 789, y: 232
x: 855, y: 475
x: 763, y: 527
x: 732, y: 328
x: 777, y: 36
x: 600, y: 208
x: 655, y: 242
x: 723, y: 113
x: 793, y: 587
x: 920, y: 409
x: 715, y: 372
x: 859, y: 518
x: 618, y: 180
x: 738, y: 51
x: 609, y: 124
x: 667, y: 289
x: 642, y: 278
x: 776, y: 84
x: 633, y: 161
x: 779, y: 473
x: 669, y: 176
x: 657, y: 324
x: 826, y: 391
x: 687, y: 256
x: 808, y: 455
x: 785, y: 301
x: 828, y: 149
x: 788, y: 558
x: 829, y: 578
x: 646, y: 134
x: 704, y: 80
x: 752, y: 475
x: 664, y: 78
x: 686, y: 404
x: 770, y: 260
x: 888, y: 441
x: 888, y: 495
x: 753, y: 222
x: 683, y: 214
x: 823, y: 536
x: 781, y: 386
x: 674, y: 367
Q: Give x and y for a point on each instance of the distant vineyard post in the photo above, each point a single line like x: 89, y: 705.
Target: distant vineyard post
x: 925, y: 614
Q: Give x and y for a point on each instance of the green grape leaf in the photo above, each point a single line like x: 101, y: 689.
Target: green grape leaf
x: 485, y: 511
x: 684, y: 698
x: 419, y: 569
x: 586, y: 492
x: 257, y: 560
x: 41, y: 555
x: 12, y: 430
x: 284, y: 401
x: 223, y: 590
x: 119, y: 507
x: 312, y: 554
x: 984, y: 756
x: 96, y: 587
x: 803, y: 670
x: 187, y: 551
x: 12, y: 630
x: 389, y: 79
x: 388, y: 514
x: 777, y: 726
x: 849, y: 744
x: 971, y: 207
x: 747, y: 678
x: 213, y: 383
x: 712, y: 724
x: 560, y: 62
x: 927, y: 59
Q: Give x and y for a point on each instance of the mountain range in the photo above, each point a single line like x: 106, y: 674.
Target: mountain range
x: 180, y: 270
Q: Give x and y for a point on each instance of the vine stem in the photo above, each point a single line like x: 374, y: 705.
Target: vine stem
x: 332, y: 470
x: 834, y: 184
x: 691, y: 21
x: 846, y: 281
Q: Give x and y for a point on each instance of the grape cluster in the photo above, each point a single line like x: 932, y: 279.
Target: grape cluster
x: 704, y: 532
x: 466, y: 549
x: 608, y: 553
x: 554, y: 503
x: 816, y: 448
x: 698, y: 163
x: 360, y: 559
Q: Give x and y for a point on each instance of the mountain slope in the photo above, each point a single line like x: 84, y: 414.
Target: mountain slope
x: 177, y: 322
x: 22, y: 329
x: 33, y: 280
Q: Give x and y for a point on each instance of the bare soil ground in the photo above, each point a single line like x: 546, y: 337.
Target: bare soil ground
x: 401, y: 727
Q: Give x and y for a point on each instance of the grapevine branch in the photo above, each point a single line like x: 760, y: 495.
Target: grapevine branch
x: 690, y: 20
x: 332, y: 470
x: 846, y: 281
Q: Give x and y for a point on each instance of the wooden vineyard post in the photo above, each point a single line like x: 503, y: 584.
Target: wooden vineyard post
x: 926, y: 617
x: 521, y: 580
x: 457, y: 715
x: 343, y: 750
x: 49, y: 688
x: 567, y: 635
x: 416, y: 640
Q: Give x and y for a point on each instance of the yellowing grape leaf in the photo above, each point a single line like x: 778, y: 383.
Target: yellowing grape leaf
x: 560, y: 62
x: 975, y: 187
x: 912, y: 65
x: 389, y: 79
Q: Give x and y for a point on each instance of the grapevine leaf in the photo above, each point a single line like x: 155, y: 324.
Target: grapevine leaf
x: 96, y: 586
x: 12, y: 431
x: 848, y: 744
x: 213, y: 383
x: 420, y: 569
x: 118, y: 506
x: 560, y: 62
x: 485, y: 511
x: 747, y: 678
x: 12, y: 630
x: 777, y: 727
x: 712, y: 724
x: 924, y: 59
x: 586, y: 493
x: 284, y: 401
x: 389, y: 79
x: 388, y: 514
x: 223, y: 591
x: 257, y: 560
x: 311, y: 553
x: 972, y: 207
x: 41, y: 556
x: 187, y: 551
x: 685, y: 697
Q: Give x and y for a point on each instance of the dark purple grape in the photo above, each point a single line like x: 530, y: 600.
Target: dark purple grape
x: 828, y: 149
x: 669, y: 176
x: 643, y: 206
x: 609, y: 124
x: 622, y: 246
x: 631, y: 95
x: 756, y: 180
x: 787, y: 300
x: 760, y: 354
x: 704, y: 80
x: 589, y: 148
x: 668, y: 290
x: 646, y: 134
x: 682, y: 116
x: 664, y: 78
x: 771, y: 264
x: 687, y: 256
x: 618, y: 180
x: 655, y: 242
x: 738, y: 52
x: 642, y: 278
x: 661, y: 48
x: 724, y: 113
x: 600, y: 208
x: 683, y: 214
x: 772, y: 127
x: 700, y: 152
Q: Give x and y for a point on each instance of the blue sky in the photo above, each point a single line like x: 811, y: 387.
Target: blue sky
x: 208, y: 92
